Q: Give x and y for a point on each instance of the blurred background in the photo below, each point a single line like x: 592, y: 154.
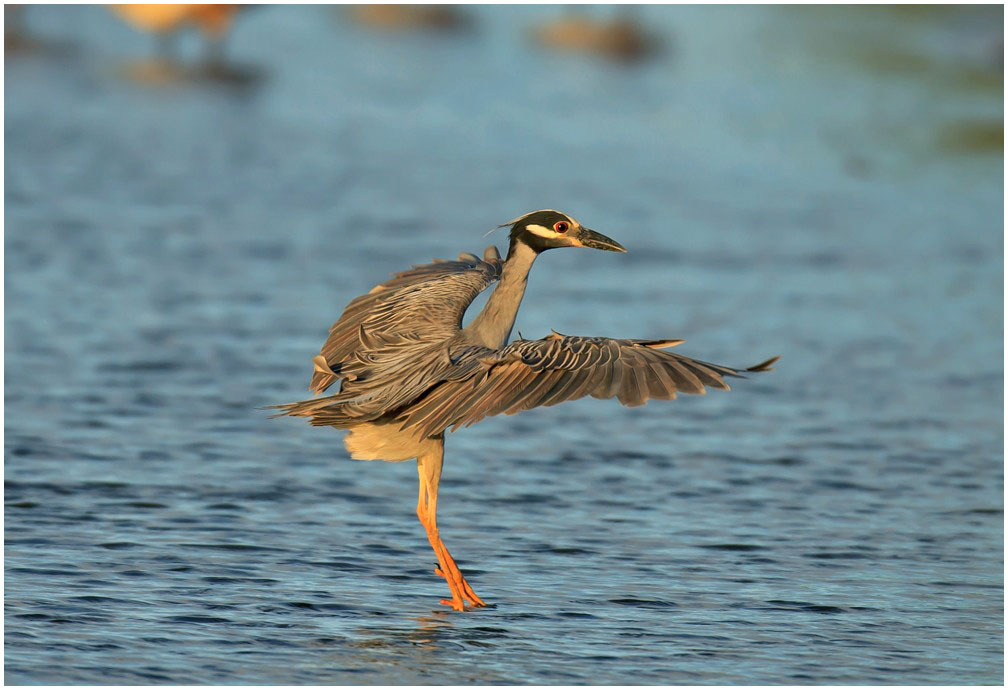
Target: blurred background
x: 192, y: 195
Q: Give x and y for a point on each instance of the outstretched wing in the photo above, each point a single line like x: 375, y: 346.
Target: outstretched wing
x: 530, y: 373
x: 423, y: 305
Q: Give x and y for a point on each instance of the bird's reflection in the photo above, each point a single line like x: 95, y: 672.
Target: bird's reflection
x: 20, y: 41
x: 430, y: 631
x: 421, y: 648
x: 158, y: 71
x: 16, y: 38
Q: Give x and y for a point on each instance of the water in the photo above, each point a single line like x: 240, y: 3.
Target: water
x: 824, y: 184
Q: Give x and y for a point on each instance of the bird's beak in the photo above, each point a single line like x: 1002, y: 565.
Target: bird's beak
x: 596, y: 240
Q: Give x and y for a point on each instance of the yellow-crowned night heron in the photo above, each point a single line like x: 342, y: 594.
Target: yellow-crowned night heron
x: 408, y: 370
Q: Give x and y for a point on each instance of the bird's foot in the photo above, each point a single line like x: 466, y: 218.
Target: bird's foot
x: 454, y: 604
x: 464, y: 589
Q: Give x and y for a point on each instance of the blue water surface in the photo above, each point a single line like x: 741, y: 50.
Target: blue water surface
x: 821, y: 183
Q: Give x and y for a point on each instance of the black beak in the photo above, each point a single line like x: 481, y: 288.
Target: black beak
x: 596, y: 240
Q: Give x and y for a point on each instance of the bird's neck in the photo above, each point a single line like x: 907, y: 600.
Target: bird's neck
x: 492, y: 327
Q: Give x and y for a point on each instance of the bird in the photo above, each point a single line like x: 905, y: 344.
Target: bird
x: 621, y: 38
x: 405, y: 17
x: 408, y: 371
x: 164, y: 21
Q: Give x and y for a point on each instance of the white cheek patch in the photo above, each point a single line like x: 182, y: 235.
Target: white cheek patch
x: 541, y: 231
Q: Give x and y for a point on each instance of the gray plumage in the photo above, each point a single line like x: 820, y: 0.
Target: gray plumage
x: 408, y: 370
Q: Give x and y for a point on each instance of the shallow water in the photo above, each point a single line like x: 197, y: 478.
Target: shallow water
x: 821, y: 184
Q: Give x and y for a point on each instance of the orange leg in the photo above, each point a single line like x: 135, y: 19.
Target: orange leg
x: 429, y: 469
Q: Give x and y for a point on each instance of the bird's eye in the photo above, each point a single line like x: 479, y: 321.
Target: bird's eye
x: 561, y: 226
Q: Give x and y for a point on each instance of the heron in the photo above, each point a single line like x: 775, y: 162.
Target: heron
x: 408, y: 371
x: 620, y: 38
x: 166, y: 20
x: 405, y: 17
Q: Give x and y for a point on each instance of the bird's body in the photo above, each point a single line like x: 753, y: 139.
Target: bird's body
x: 408, y: 371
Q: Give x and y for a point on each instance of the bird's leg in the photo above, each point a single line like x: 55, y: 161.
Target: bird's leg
x: 213, y: 55
x: 429, y: 469
x: 165, y: 48
x: 453, y: 569
x: 424, y: 512
x: 214, y: 21
x: 456, y: 600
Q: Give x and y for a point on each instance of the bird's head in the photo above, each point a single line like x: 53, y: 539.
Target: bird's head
x: 542, y: 230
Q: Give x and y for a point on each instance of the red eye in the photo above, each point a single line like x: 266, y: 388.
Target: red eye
x: 561, y: 226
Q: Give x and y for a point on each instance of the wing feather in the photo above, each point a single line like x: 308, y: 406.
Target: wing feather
x: 686, y: 381
x: 631, y: 393
x: 709, y: 374
x: 612, y: 383
x: 425, y: 303
x: 667, y: 390
x: 489, y: 398
x: 567, y: 387
x: 532, y: 394
x: 533, y: 373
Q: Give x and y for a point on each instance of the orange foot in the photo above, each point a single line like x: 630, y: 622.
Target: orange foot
x: 464, y: 589
x: 452, y: 603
